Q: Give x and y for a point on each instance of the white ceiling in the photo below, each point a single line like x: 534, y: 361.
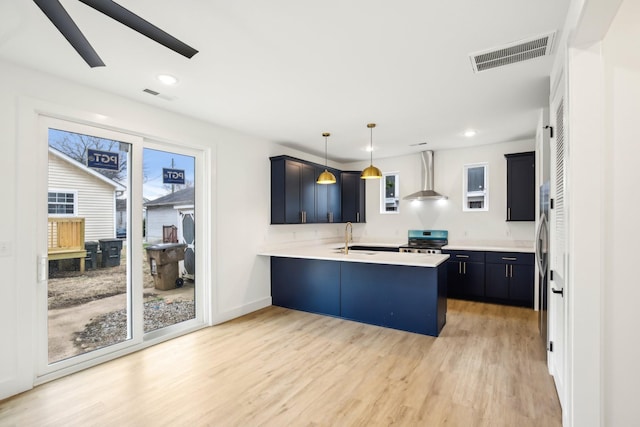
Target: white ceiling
x: 288, y: 70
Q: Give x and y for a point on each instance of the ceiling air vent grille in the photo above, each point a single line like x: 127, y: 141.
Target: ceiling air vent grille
x: 512, y: 53
x: 158, y: 94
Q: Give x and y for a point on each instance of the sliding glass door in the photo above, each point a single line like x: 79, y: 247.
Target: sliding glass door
x: 89, y: 281
x: 120, y: 263
x: 169, y: 238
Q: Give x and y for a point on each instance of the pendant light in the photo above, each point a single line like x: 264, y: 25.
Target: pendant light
x: 371, y: 172
x: 326, y: 177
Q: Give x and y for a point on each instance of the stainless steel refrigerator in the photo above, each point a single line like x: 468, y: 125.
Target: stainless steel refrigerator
x: 542, y: 258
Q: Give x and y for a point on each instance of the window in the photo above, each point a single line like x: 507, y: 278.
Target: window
x: 390, y: 193
x: 475, y: 187
x: 62, y: 202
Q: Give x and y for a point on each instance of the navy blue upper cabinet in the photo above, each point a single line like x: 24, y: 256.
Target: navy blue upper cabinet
x: 353, y: 197
x: 296, y: 198
x: 293, y: 193
x: 521, y: 193
x: 328, y: 203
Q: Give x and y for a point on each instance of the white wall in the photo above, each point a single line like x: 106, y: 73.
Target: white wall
x: 584, y: 207
x: 621, y: 293
x: 447, y: 215
x: 237, y: 186
x: 603, y: 70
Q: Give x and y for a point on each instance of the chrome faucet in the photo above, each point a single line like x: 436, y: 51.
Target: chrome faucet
x: 348, y: 235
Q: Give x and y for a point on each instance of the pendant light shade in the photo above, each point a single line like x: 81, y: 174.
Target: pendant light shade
x: 371, y: 172
x: 326, y: 177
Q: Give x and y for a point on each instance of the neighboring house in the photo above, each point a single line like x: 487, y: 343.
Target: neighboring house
x: 177, y: 210
x: 78, y: 191
x: 163, y: 211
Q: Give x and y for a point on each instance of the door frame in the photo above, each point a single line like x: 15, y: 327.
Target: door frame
x: 558, y: 307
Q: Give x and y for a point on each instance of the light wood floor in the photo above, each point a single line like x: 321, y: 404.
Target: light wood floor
x: 280, y: 367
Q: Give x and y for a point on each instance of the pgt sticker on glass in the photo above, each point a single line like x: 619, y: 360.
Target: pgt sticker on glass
x: 103, y: 160
x: 172, y: 176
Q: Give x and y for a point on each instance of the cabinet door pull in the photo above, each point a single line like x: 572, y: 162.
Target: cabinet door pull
x: 508, y: 214
x: 462, y: 256
x: 506, y: 270
x: 459, y: 267
x: 357, y: 216
x: 511, y: 271
x: 508, y: 258
x: 465, y: 268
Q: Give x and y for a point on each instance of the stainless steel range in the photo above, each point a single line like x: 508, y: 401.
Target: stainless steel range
x: 426, y: 241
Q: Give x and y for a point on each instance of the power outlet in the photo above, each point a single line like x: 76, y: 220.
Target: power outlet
x: 5, y: 248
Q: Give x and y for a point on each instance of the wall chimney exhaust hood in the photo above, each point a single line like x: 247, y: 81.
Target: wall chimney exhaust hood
x: 427, y: 192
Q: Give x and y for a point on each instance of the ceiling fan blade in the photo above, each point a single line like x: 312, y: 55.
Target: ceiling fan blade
x: 63, y: 22
x: 136, y: 23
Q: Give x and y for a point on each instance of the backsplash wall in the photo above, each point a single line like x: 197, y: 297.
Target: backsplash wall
x: 447, y: 215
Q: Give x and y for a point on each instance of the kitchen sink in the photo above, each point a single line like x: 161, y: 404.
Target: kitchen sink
x: 355, y: 251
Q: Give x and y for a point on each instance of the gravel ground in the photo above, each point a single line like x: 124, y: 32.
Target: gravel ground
x: 110, y: 328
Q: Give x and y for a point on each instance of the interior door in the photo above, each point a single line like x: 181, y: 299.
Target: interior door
x: 558, y: 231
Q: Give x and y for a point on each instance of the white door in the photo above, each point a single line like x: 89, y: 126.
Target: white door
x: 558, y: 243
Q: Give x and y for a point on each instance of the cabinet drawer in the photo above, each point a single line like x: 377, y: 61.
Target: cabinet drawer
x: 509, y: 258
x: 468, y: 256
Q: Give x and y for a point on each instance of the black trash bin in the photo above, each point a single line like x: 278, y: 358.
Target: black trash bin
x: 163, y: 263
x: 91, y: 260
x: 111, y: 249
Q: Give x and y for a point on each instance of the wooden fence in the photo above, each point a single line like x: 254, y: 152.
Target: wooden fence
x: 65, y: 239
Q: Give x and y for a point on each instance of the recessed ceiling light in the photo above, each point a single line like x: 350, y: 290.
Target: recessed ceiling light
x: 470, y: 133
x: 167, y: 79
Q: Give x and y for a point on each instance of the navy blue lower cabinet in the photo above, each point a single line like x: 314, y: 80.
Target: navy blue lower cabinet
x: 408, y: 298
x: 510, y: 278
x: 306, y: 284
x: 497, y: 281
x: 401, y: 297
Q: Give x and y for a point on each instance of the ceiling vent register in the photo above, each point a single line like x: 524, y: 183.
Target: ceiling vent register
x: 158, y: 94
x: 512, y: 53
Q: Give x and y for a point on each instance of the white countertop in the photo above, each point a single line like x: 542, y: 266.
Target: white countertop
x: 526, y: 246
x: 329, y: 252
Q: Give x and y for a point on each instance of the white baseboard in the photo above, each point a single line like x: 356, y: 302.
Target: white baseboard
x: 241, y: 311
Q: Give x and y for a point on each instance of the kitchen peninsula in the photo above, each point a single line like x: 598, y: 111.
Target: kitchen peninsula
x: 405, y: 291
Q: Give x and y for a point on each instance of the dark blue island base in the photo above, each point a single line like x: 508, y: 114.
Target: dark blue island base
x: 408, y: 298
